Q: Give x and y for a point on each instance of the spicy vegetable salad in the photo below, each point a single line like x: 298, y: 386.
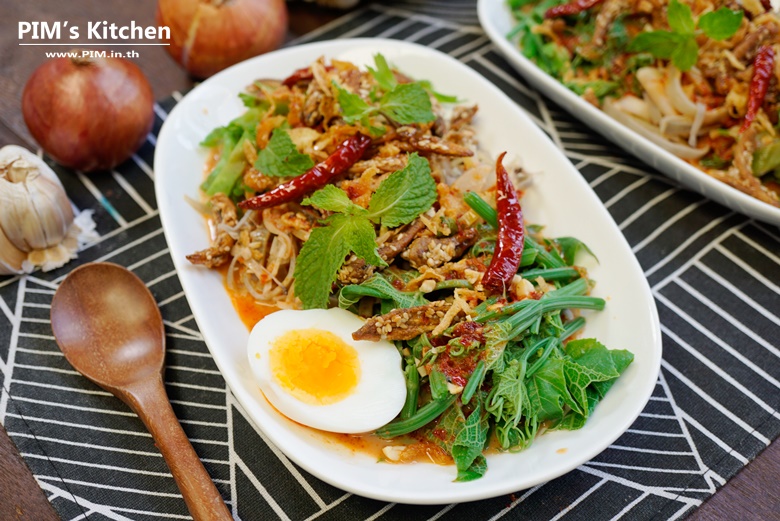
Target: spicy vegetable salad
x: 698, y: 78
x: 367, y: 190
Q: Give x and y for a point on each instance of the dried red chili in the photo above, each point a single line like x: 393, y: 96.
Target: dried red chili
x: 577, y: 6
x: 511, y: 233
x: 767, y: 5
x: 346, y: 155
x: 763, y: 68
x: 304, y: 74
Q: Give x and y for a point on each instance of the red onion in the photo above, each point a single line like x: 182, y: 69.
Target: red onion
x: 88, y: 113
x: 210, y: 35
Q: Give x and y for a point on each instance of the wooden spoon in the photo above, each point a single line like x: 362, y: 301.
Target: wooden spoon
x: 110, y: 329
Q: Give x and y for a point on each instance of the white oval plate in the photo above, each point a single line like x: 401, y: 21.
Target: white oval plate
x: 560, y: 199
x: 496, y: 19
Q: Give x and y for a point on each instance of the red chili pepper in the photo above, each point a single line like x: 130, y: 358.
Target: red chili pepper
x: 509, y: 246
x: 346, y: 155
x: 767, y: 5
x: 304, y: 74
x: 763, y: 68
x: 577, y: 6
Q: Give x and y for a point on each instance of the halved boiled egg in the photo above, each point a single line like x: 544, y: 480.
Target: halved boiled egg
x: 312, y: 371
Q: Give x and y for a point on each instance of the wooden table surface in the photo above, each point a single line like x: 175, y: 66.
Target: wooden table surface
x: 754, y: 494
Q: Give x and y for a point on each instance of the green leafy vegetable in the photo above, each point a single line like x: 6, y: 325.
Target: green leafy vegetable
x: 570, y: 247
x: 323, y: 254
x: 334, y: 199
x: 660, y: 44
x: 679, y: 44
x: 249, y: 100
x: 379, y: 287
x: 407, y: 103
x: 404, y: 103
x: 717, y: 162
x: 721, y: 24
x: 280, y: 158
x: 225, y: 176
x: 398, y: 200
x: 685, y: 55
x: 383, y: 74
x: 766, y: 158
x: 469, y: 444
x: 680, y: 17
x: 600, y: 88
x: 404, y: 195
x: 353, y: 107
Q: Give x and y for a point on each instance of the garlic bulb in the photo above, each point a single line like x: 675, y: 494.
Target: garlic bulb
x: 36, y: 219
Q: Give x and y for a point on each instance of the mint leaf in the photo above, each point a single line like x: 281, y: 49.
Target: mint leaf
x: 720, y: 24
x: 680, y: 17
x: 660, y: 44
x: 353, y: 107
x: 406, y: 104
x: 379, y: 287
x: 443, y: 98
x: 685, y: 55
x: 280, y: 158
x: 383, y: 74
x: 324, y: 253
x: 404, y: 194
x: 333, y: 199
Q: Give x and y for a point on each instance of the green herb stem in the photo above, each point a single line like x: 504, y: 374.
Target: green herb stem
x: 474, y: 382
x: 424, y: 415
x: 412, y: 391
x: 452, y: 284
x: 489, y: 214
x: 482, y: 208
x: 551, y: 274
x: 509, y: 309
x: 526, y: 318
x: 549, y: 344
x: 572, y: 327
x: 578, y: 287
x: 528, y: 257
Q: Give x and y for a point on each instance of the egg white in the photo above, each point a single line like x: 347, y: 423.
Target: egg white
x: 378, y: 395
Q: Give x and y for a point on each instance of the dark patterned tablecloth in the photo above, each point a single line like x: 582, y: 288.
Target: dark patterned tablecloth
x: 714, y: 273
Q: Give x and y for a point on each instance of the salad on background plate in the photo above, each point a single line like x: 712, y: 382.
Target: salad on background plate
x: 696, y: 81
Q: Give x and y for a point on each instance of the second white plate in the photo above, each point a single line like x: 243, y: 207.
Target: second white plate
x: 496, y: 19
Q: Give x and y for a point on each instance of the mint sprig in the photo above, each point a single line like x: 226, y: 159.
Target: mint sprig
x: 405, y: 104
x: 400, y: 198
x: 679, y: 45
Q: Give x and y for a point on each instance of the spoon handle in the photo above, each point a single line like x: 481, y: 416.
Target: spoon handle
x: 149, y: 400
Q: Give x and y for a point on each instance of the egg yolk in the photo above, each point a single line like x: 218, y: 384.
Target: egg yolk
x: 315, y: 366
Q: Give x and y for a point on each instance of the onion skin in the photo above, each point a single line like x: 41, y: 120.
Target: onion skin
x: 88, y: 114
x: 210, y: 35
